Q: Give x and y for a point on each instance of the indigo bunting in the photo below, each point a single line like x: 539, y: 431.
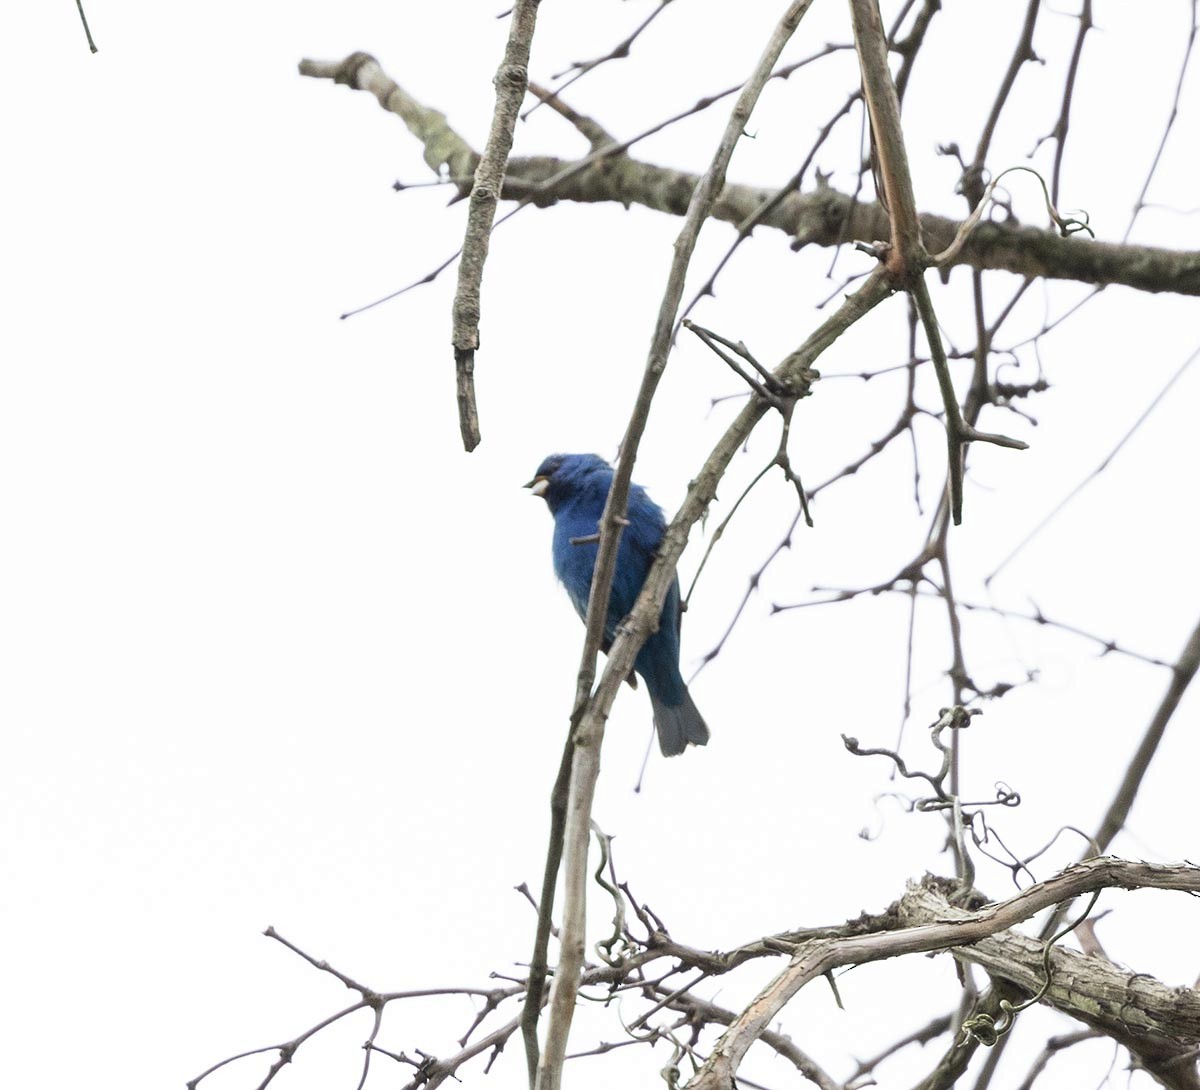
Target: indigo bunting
x: 575, y: 488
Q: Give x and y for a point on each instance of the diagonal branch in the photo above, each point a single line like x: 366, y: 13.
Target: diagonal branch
x: 907, y: 255
x: 443, y: 146
x: 1185, y: 672
x: 591, y: 709
x: 1185, y: 669
x: 906, y: 258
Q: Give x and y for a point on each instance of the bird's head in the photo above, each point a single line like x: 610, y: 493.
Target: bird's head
x: 563, y: 475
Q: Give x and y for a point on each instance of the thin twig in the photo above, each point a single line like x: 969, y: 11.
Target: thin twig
x: 972, y: 180
x: 86, y: 29
x: 1139, y: 204
x: 1105, y: 462
x: 618, y: 52
x: 1118, y: 811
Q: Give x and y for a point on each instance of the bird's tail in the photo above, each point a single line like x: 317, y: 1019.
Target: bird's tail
x: 678, y: 725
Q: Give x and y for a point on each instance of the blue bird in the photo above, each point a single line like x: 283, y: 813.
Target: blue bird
x: 575, y: 488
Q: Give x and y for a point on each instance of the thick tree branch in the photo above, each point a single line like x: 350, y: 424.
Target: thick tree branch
x: 822, y: 217
x: 1157, y: 1023
x: 817, y: 957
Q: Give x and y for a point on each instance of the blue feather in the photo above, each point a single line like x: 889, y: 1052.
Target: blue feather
x: 575, y: 487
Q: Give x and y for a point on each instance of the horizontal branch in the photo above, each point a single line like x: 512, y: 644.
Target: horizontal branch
x: 822, y: 217
x: 828, y: 217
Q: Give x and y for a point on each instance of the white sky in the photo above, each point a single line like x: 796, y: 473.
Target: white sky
x: 275, y: 651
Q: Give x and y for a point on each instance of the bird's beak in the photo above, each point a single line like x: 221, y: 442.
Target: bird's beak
x: 539, y: 485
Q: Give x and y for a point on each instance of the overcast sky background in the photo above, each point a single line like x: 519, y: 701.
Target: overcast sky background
x: 276, y: 651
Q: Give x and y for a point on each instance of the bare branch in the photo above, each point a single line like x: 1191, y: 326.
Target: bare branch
x: 816, y: 958
x: 592, y: 709
x: 618, y: 52
x: 591, y: 130
x: 1122, y: 803
x: 1139, y: 204
x: 443, y: 146
x: 823, y: 217
x: 511, y: 80
x: 1156, y: 1022
x: 972, y: 181
x: 907, y: 253
x: 1063, y: 124
x: 1105, y: 462
x: 87, y: 30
